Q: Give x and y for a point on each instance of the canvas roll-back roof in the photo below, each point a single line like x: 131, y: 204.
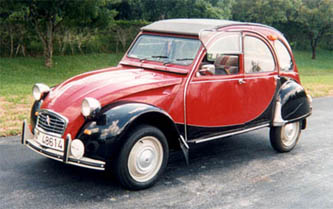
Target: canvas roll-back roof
x: 186, y: 26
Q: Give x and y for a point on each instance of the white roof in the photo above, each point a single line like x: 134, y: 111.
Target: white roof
x: 186, y: 26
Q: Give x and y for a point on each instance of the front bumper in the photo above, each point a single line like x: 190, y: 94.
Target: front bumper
x: 28, y: 140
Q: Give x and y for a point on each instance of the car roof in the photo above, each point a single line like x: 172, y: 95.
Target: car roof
x: 192, y: 26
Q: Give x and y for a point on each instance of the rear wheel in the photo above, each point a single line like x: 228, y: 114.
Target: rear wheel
x: 285, y: 138
x: 143, y: 158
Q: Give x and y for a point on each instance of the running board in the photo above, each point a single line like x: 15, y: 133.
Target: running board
x: 200, y: 140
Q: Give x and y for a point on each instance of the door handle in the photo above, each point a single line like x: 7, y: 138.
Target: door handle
x: 241, y: 81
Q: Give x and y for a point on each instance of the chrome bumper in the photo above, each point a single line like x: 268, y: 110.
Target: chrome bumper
x: 28, y: 140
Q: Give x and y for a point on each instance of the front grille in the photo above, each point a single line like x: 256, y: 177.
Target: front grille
x: 51, y: 122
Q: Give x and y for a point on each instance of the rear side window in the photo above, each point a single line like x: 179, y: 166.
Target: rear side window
x: 257, y: 56
x: 285, y: 61
x: 227, y: 44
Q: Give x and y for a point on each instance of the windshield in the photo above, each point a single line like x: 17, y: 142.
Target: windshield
x: 165, y: 49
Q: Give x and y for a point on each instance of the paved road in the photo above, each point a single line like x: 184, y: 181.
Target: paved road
x: 238, y: 172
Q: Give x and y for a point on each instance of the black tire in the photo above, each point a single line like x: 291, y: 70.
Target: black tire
x: 285, y: 138
x: 142, y: 158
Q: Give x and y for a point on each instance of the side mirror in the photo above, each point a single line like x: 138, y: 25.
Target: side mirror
x: 208, y: 69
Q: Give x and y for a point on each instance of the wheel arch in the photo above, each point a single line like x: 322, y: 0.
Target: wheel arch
x: 160, y: 120
x: 108, y: 130
x: 292, y: 103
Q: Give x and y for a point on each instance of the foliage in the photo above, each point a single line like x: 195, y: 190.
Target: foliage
x: 152, y: 10
x: 312, y: 17
x: 45, y: 17
x: 12, y: 20
x: 61, y: 27
x: 263, y: 11
x: 316, y: 18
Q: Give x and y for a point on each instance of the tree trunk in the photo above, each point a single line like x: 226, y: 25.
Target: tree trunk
x: 47, y: 41
x: 24, y: 49
x: 313, y: 52
x: 17, y: 50
x: 11, y: 35
x: 49, y: 47
x: 314, y: 41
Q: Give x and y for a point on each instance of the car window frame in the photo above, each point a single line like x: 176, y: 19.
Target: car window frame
x: 268, y: 45
x: 291, y: 69
x: 239, y: 53
x: 160, y: 61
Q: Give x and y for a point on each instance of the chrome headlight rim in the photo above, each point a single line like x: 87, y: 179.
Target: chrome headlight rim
x: 39, y: 89
x: 77, y: 148
x: 90, y: 106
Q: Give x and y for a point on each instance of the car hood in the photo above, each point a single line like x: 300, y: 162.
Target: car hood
x: 106, y: 86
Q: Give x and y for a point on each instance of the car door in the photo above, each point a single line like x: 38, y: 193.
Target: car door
x: 260, y: 79
x: 214, y: 99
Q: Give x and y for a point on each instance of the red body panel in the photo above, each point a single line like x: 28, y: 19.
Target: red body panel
x: 109, y: 85
x: 222, y: 106
x: 259, y: 93
x: 210, y: 101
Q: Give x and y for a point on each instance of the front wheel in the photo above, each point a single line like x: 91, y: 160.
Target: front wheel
x: 285, y: 138
x: 143, y: 158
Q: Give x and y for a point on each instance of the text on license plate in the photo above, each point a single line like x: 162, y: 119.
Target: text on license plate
x: 49, y: 141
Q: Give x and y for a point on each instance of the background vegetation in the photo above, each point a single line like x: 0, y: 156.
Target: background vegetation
x: 62, y: 27
x: 36, y: 34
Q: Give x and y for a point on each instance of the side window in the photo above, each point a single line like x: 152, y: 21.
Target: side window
x: 222, y: 56
x: 257, y: 56
x: 285, y: 61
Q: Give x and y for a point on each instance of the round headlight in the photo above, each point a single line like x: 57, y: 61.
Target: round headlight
x: 90, y: 106
x: 39, y: 89
x: 77, y: 148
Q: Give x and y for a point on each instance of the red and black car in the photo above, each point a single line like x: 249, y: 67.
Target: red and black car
x: 182, y: 82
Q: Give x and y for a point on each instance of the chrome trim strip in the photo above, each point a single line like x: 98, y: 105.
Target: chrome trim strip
x: 27, y: 138
x: 232, y: 79
x: 299, y: 118
x: 23, y: 131
x: 228, y: 134
x: 278, y: 120
x: 310, y: 100
x: 185, y: 90
x: 57, y: 155
x: 66, y: 148
x: 184, y: 142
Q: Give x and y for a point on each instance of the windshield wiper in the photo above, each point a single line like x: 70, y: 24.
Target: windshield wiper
x: 147, y: 58
x: 180, y: 59
x: 184, y: 59
x: 159, y: 56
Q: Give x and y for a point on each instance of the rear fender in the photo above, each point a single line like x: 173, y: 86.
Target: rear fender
x: 292, y: 104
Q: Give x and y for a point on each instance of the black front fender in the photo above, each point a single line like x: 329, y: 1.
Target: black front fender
x: 105, y: 134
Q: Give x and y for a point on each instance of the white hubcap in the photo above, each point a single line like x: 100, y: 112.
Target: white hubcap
x: 290, y: 133
x: 145, y: 159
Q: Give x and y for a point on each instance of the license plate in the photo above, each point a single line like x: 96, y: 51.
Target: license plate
x: 49, y: 141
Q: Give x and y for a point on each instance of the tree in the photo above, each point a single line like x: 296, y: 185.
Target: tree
x: 12, y: 22
x: 312, y: 17
x: 153, y: 10
x: 263, y: 11
x: 46, y: 16
x: 316, y: 18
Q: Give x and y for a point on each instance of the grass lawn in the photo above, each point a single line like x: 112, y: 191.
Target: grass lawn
x: 18, y: 75
x: 316, y: 75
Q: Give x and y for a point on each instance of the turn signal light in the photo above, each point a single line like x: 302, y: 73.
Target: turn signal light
x: 87, y: 132
x: 272, y: 37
